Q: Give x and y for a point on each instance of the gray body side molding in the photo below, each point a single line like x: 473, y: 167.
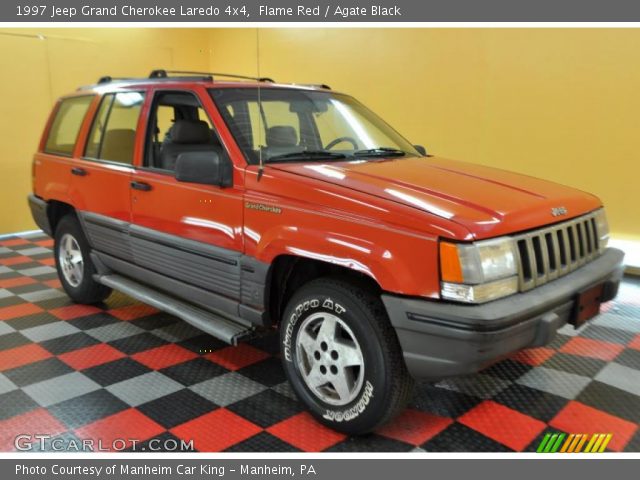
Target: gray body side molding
x: 222, y: 281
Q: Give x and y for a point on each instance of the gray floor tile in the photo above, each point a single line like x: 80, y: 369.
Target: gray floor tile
x: 177, y: 332
x: 228, y: 388
x: 620, y: 376
x: 114, y: 331
x: 6, y: 385
x: 41, y: 295
x: 33, y: 251
x: 4, y: 293
x: 4, y: 328
x: 563, y: 384
x: 59, y: 389
x: 35, y: 271
x: 611, y: 320
x: 482, y: 386
x: 285, y: 389
x: 144, y: 388
x: 49, y: 331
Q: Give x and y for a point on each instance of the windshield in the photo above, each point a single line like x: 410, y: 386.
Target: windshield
x: 305, y: 125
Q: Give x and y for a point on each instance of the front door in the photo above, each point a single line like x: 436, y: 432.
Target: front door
x: 188, y: 233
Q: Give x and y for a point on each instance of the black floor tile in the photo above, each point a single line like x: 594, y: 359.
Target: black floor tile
x: 177, y: 408
x: 116, y: 371
x: 93, y: 406
x: 266, y: 408
x: 37, y: 372
x: 194, y: 371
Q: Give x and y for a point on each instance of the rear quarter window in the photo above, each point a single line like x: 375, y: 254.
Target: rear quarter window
x: 64, y: 130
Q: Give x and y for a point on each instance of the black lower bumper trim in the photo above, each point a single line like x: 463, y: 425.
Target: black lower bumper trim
x: 442, y: 339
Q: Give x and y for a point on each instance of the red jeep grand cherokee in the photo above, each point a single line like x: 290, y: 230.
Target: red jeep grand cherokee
x: 240, y: 206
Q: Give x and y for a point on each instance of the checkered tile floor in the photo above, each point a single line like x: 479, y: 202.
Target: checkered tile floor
x: 124, y: 369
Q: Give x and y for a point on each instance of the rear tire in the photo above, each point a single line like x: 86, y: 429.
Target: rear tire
x: 342, y: 357
x: 73, y: 262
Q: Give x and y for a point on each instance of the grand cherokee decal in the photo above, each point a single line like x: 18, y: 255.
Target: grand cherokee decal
x: 263, y: 207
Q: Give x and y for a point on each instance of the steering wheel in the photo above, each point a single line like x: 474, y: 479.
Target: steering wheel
x: 339, y: 140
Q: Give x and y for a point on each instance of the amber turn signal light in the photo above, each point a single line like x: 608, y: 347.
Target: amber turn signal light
x: 450, y: 263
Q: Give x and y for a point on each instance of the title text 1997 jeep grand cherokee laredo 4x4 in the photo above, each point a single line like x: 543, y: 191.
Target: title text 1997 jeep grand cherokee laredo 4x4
x: 241, y: 206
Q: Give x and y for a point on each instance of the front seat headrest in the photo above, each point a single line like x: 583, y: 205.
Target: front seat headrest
x: 190, y: 132
x: 282, y: 136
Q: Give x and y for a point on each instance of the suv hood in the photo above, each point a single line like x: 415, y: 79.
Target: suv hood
x: 486, y: 201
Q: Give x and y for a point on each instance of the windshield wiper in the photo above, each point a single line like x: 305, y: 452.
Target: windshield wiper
x: 306, y: 155
x: 380, y: 152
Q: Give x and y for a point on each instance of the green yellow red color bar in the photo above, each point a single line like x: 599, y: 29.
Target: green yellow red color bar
x: 574, y: 443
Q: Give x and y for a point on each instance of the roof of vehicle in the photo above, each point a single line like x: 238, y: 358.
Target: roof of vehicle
x: 210, y: 78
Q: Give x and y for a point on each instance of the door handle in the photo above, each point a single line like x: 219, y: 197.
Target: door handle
x: 81, y: 172
x: 145, y: 187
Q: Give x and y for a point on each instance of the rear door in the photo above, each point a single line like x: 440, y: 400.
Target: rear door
x: 101, y: 177
x: 186, y: 232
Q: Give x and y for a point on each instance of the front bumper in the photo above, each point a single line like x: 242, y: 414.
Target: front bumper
x: 441, y: 339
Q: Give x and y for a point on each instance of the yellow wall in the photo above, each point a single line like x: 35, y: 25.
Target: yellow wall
x: 562, y: 104
x: 39, y: 65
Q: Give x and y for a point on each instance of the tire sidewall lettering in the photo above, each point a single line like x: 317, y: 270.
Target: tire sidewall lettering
x: 300, y: 311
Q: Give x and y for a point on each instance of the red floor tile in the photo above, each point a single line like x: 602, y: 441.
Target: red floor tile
x: 502, y: 424
x: 534, y: 356
x: 579, y: 418
x: 216, y: 431
x: 20, y: 310
x: 415, y: 427
x: 635, y: 343
x: 587, y: 347
x: 49, y: 262
x: 91, y: 356
x: 234, y: 358
x: 129, y: 424
x: 304, y: 432
x: 131, y: 312
x: 45, y: 243
x: 16, y: 357
x: 55, y: 283
x: 74, y: 311
x: 16, y: 282
x: 17, y: 260
x: 164, y: 356
x: 14, y: 242
x: 36, y: 422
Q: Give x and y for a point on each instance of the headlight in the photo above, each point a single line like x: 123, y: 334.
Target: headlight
x: 478, y: 272
x: 602, y: 227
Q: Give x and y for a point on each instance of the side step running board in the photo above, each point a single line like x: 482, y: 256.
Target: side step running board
x: 216, y: 325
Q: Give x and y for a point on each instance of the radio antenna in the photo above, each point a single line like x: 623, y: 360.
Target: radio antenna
x: 260, y: 147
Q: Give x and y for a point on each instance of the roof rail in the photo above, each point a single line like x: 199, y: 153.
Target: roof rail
x: 166, y: 75
x: 313, y: 85
x: 211, y: 75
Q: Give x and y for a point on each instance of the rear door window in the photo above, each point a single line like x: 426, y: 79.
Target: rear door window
x: 113, y: 132
x: 64, y: 130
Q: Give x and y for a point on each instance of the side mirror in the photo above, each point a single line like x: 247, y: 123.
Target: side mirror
x: 208, y: 168
x: 421, y: 150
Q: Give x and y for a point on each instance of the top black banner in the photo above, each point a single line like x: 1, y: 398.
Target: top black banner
x: 320, y: 11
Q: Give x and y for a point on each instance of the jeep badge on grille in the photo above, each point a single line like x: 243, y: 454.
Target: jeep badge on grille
x: 558, y: 211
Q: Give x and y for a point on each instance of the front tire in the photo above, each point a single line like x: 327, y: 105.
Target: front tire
x: 342, y: 357
x: 73, y: 262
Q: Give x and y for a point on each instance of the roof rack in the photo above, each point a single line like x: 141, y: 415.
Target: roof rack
x: 185, y: 75
x: 313, y: 85
x: 209, y: 75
